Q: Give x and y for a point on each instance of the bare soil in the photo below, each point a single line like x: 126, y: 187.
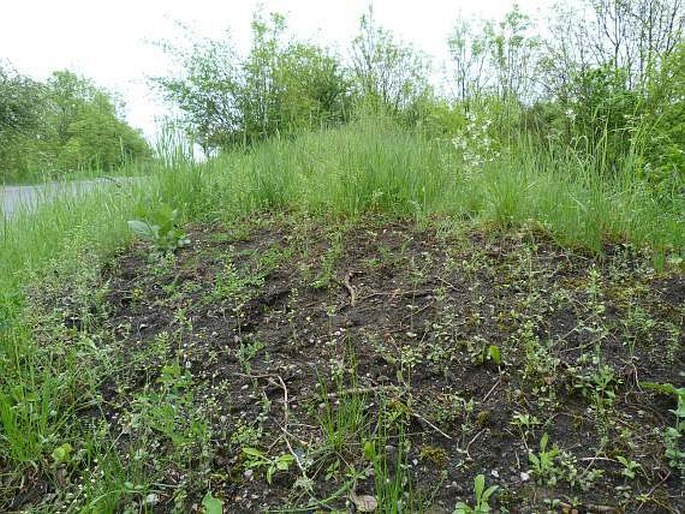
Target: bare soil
x: 472, y: 343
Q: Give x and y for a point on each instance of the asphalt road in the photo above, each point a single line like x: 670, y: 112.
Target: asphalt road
x: 13, y: 198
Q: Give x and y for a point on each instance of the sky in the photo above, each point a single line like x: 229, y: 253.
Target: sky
x: 112, y: 43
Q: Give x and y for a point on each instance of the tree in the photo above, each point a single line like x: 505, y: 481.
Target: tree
x: 513, y: 55
x: 386, y: 72
x: 59, y: 126
x: 21, y: 123
x: 86, y: 131
x: 635, y: 35
x: 281, y: 86
x: 468, y: 54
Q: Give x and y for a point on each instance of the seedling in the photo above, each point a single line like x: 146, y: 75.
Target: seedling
x: 543, y: 463
x: 160, y: 229
x: 630, y: 467
x: 258, y: 459
x: 482, y: 497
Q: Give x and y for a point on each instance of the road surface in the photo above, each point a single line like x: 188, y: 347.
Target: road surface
x: 13, y: 198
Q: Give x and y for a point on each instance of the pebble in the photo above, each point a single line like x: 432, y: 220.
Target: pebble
x: 525, y: 477
x: 151, y: 499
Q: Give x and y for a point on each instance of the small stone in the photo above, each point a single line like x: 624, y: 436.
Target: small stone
x: 525, y: 477
x: 248, y: 473
x: 151, y: 499
x: 495, y: 473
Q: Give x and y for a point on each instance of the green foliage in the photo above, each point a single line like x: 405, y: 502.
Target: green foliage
x: 21, y: 105
x: 544, y: 465
x: 630, y: 467
x: 281, y: 86
x: 160, y: 228
x: 87, y: 132
x: 388, y: 75
x: 662, y: 129
x: 512, y: 55
x: 60, y: 127
x: 211, y: 504
x: 257, y: 459
x: 62, y: 453
x: 482, y: 496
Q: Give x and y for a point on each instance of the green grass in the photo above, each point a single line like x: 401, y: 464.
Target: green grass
x: 368, y: 166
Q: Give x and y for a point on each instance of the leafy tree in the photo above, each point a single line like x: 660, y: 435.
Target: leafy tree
x: 281, y: 86
x: 315, y: 90
x: 468, y: 55
x: 86, y: 130
x: 208, y: 92
x: 386, y: 72
x: 513, y: 55
x: 21, y: 124
x: 62, y: 125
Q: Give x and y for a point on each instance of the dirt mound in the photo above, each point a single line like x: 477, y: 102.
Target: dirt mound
x: 280, y: 363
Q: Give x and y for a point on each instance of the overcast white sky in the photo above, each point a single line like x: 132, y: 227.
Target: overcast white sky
x: 109, y: 42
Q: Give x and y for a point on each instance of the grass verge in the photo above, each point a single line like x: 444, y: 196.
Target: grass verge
x: 138, y: 381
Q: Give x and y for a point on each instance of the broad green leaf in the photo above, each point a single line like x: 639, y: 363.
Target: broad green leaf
x: 254, y: 452
x: 479, y: 485
x: 369, y: 450
x: 494, y: 354
x: 212, y: 505
x: 62, y: 453
x: 144, y: 229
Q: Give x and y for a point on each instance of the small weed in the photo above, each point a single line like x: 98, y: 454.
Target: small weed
x: 329, y: 261
x: 525, y: 423
x: 598, y: 386
x: 544, y: 465
x: 160, y: 229
x: 258, y: 459
x: 482, y: 496
x: 480, y: 352
x: 630, y: 467
x: 248, y: 351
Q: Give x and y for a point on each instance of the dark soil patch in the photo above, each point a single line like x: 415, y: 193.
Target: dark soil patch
x: 410, y: 319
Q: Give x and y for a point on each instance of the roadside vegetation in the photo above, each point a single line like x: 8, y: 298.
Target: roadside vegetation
x: 63, y: 128
x: 371, y: 297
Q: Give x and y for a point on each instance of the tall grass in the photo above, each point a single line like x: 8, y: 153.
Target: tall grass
x: 371, y: 165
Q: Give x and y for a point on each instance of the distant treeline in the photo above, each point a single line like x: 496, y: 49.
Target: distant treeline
x: 53, y: 128
x: 605, y: 80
